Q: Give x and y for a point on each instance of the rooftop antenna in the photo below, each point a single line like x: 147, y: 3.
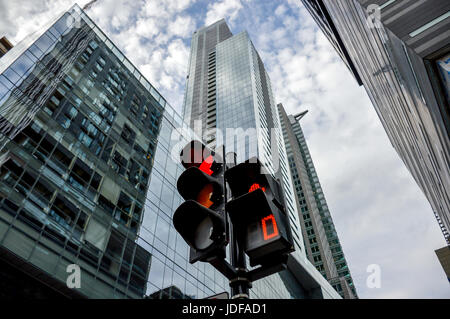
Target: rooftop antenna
x: 300, y: 115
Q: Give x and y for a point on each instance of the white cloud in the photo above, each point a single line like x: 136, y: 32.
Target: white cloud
x: 19, y: 18
x: 228, y: 9
x: 182, y: 26
x: 151, y: 36
x: 280, y: 10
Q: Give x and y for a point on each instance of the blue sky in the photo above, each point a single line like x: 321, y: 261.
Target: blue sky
x: 380, y: 214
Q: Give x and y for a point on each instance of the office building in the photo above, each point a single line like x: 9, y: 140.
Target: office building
x: 322, y: 245
x: 79, y: 131
x: 400, y: 52
x: 229, y: 97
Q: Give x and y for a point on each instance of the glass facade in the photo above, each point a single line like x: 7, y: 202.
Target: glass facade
x: 322, y: 244
x: 245, y: 103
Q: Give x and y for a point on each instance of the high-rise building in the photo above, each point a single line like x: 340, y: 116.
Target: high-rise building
x: 229, y: 96
x: 322, y: 245
x: 400, y: 52
x: 200, y: 95
x: 79, y: 127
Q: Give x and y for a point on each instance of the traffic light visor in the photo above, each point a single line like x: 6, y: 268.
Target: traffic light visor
x: 196, y: 154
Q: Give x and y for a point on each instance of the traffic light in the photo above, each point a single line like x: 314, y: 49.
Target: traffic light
x: 200, y: 220
x: 258, y: 211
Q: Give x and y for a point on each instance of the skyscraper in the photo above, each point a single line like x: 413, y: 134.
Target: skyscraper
x: 322, y: 244
x: 229, y: 97
x: 200, y: 94
x: 399, y: 51
x: 79, y: 127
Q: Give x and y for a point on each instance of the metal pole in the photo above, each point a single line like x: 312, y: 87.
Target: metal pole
x: 240, y: 285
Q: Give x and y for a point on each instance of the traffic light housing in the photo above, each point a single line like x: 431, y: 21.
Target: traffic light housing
x: 258, y: 211
x: 201, y: 219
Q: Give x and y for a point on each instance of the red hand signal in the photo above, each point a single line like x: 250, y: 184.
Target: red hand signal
x: 255, y: 187
x: 206, y: 165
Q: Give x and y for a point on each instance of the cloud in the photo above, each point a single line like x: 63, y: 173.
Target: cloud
x: 19, y: 18
x: 154, y: 35
x: 223, y: 9
x: 183, y: 26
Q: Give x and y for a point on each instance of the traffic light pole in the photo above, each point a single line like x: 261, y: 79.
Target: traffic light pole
x: 240, y: 284
x: 223, y: 205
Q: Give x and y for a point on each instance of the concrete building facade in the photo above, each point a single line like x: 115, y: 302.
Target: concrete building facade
x: 400, y: 52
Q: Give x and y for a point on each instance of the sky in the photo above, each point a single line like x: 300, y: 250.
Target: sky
x: 380, y: 214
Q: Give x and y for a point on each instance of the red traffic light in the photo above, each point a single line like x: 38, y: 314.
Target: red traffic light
x: 258, y: 211
x: 200, y: 220
x: 206, y: 165
x: 248, y: 177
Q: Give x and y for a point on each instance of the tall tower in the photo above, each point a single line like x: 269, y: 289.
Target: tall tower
x: 229, y: 94
x: 200, y: 98
x: 321, y: 241
x: 228, y: 90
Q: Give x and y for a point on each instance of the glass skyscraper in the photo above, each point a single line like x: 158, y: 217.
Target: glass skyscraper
x: 322, y: 245
x: 229, y: 97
